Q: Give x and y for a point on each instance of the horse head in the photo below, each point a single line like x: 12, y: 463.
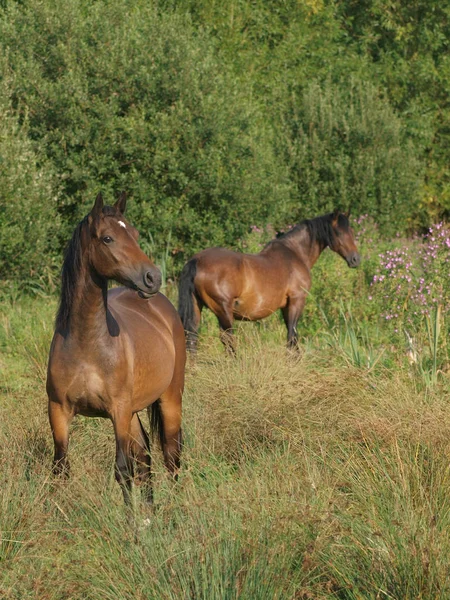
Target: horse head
x: 114, y: 252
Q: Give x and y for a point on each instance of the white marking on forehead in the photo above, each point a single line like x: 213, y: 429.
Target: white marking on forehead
x: 122, y: 224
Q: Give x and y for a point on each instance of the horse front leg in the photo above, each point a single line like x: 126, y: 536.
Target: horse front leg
x: 60, y: 418
x: 140, y: 450
x: 124, y: 462
x: 227, y: 338
x: 291, y: 314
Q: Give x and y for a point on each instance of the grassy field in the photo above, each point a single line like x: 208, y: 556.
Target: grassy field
x: 319, y: 475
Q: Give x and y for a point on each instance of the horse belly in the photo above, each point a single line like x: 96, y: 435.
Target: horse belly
x: 253, y: 309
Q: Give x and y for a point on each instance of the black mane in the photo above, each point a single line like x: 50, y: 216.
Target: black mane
x: 71, y: 269
x: 320, y: 228
x: 69, y: 276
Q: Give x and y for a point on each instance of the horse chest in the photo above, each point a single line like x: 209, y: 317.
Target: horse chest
x: 88, y: 389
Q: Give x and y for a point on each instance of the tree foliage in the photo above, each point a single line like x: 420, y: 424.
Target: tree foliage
x: 28, y: 199
x: 216, y: 116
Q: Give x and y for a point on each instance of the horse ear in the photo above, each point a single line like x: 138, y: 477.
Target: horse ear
x: 121, y: 203
x: 98, y: 205
x: 335, y: 217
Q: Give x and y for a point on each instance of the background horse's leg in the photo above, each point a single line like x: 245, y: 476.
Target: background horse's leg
x: 60, y: 419
x: 140, y: 450
x: 225, y: 317
x: 124, y: 463
x: 291, y: 314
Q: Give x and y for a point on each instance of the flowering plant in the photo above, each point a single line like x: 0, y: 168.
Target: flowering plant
x: 413, y: 280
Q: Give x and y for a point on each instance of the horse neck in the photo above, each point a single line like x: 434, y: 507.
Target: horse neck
x: 307, y: 250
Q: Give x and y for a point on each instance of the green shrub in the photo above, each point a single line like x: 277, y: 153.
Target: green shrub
x: 126, y: 97
x: 28, y: 196
x: 349, y: 149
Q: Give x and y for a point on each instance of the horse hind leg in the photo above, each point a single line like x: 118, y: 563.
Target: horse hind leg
x: 60, y: 419
x: 140, y: 450
x: 291, y: 314
x: 166, y: 422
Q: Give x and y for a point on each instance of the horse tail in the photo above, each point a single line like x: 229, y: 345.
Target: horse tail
x: 156, y: 421
x: 186, y: 292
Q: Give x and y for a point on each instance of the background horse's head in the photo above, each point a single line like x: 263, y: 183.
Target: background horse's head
x: 343, y: 239
x: 114, y: 252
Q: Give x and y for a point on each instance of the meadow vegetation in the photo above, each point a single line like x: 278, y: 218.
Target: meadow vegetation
x: 318, y: 475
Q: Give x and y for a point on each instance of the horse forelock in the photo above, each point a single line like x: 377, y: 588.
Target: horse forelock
x: 109, y: 211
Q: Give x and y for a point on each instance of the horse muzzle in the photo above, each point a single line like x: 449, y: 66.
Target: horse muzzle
x: 148, y: 284
x: 353, y: 260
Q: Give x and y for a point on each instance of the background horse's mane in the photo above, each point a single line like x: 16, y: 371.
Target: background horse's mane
x: 71, y: 268
x: 320, y: 229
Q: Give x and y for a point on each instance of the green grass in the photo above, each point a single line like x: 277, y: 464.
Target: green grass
x: 318, y: 475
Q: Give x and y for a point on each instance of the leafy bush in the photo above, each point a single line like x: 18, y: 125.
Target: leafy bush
x: 126, y: 97
x: 349, y: 149
x: 28, y: 194
x: 215, y: 117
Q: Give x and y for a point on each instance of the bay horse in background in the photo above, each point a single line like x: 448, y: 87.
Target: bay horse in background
x: 116, y: 352
x: 253, y: 286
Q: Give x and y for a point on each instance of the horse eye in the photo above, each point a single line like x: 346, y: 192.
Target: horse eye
x: 107, y: 239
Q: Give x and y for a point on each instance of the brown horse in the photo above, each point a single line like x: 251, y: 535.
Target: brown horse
x: 253, y: 286
x: 115, y: 353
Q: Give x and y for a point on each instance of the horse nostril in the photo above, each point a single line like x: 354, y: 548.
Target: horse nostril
x: 152, y: 279
x: 148, y: 279
x: 353, y: 260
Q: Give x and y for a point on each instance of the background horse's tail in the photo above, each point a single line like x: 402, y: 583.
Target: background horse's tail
x: 186, y: 291
x: 156, y: 421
